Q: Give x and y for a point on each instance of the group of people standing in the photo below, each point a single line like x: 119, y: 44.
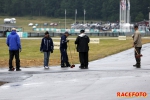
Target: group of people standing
x: 47, y: 47
x: 82, y: 41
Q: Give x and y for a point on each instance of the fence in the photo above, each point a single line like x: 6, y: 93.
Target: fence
x: 104, y: 34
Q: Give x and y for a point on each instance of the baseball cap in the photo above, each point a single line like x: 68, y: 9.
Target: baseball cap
x: 82, y: 31
x: 67, y: 33
x: 13, y: 29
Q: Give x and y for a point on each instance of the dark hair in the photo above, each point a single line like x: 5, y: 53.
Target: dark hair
x: 66, y: 33
x: 46, y: 32
x: 82, y: 31
x: 136, y: 26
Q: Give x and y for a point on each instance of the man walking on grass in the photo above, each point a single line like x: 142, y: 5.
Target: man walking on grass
x: 13, y: 42
x: 137, y: 44
x: 83, y: 48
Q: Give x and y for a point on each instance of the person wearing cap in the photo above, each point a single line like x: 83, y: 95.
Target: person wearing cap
x: 82, y: 47
x: 14, y: 44
x: 46, y: 48
x: 137, y: 44
x: 63, y: 50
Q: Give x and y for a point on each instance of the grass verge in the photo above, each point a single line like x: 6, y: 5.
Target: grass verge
x: 24, y: 21
x: 31, y: 55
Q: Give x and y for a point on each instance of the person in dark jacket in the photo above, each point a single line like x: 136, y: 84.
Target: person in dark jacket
x: 82, y: 47
x: 46, y: 48
x: 63, y: 50
x: 14, y: 44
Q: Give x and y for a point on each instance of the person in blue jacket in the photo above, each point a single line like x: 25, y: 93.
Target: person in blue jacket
x: 46, y: 48
x: 14, y: 44
x: 63, y: 50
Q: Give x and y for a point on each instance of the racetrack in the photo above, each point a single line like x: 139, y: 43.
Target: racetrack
x: 102, y: 81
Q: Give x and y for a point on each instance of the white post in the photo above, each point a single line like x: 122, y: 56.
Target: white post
x: 128, y: 11
x: 84, y: 15
x: 75, y: 16
x: 149, y: 19
x: 65, y: 19
x: 120, y: 15
x: 125, y: 16
x: 122, y: 11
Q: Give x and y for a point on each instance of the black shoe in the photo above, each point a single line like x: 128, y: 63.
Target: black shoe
x: 138, y: 66
x: 18, y: 69
x: 86, y: 68
x: 135, y: 65
x: 63, y: 66
x: 11, y: 69
x: 81, y: 67
x: 68, y: 65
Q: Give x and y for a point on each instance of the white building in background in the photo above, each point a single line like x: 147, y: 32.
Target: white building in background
x: 10, y: 20
x: 125, y: 16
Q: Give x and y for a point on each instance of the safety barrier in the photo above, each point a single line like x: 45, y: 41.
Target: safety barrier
x: 104, y: 34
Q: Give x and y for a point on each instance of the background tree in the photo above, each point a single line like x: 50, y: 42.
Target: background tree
x: 107, y: 10
x: 139, y: 17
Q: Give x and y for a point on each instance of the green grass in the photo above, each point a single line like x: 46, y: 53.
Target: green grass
x: 31, y: 55
x: 24, y: 21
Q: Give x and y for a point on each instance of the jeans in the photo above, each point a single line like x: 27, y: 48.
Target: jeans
x: 46, y: 58
x: 13, y: 53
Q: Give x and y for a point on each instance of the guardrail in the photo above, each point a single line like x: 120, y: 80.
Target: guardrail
x: 104, y: 34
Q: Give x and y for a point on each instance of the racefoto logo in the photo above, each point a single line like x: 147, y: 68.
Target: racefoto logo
x: 132, y: 94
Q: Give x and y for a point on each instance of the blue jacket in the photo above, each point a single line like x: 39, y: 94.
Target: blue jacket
x: 63, y: 42
x: 13, y: 41
x: 46, y: 45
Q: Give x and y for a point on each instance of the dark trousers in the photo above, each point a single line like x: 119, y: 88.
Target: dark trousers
x: 64, y: 57
x: 13, y: 53
x: 138, y: 60
x: 83, y: 56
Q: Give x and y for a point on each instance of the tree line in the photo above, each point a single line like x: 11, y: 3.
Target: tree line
x: 107, y: 10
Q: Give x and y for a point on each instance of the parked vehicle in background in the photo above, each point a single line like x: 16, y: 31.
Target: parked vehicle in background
x: 45, y: 24
x: 30, y: 24
x: 51, y: 24
x: 33, y: 27
x: 9, y: 20
x: 36, y: 24
x: 55, y: 24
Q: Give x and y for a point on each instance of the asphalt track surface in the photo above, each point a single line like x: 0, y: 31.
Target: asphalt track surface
x: 102, y: 81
